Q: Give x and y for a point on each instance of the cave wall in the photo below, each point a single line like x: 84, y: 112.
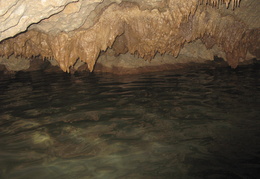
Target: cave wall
x: 132, y: 33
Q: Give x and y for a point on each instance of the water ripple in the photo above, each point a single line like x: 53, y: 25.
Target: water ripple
x: 188, y: 124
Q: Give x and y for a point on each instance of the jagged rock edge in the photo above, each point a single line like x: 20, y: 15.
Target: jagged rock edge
x: 86, y: 45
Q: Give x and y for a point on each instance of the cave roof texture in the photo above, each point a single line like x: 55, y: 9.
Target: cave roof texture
x: 71, y: 30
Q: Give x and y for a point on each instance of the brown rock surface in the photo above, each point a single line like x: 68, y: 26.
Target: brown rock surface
x: 78, y: 31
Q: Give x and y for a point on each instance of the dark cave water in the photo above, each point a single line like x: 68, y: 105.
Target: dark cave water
x: 195, y: 123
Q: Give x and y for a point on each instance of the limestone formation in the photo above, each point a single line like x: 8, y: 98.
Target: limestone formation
x: 17, y: 15
x: 81, y: 30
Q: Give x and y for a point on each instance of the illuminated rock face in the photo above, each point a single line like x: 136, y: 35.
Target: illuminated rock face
x: 17, y: 15
x: 78, y: 31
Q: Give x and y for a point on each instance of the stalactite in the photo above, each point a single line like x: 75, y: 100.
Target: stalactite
x: 144, y: 33
x: 215, y: 3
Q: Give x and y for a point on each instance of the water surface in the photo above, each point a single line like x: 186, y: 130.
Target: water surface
x: 200, y: 123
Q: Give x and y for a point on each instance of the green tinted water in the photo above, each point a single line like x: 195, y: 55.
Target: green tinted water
x: 202, y: 123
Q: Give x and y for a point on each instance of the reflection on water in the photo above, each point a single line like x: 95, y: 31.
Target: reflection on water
x: 194, y: 124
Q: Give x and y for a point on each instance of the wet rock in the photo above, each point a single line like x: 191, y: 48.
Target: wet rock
x: 74, y: 34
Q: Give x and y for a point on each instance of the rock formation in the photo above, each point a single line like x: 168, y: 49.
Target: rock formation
x: 73, y: 32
